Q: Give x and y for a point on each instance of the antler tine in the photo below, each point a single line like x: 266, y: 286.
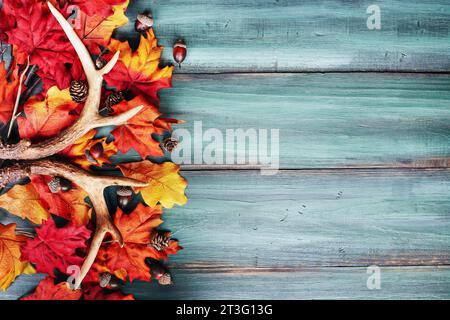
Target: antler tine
x: 93, y: 185
x: 89, y: 118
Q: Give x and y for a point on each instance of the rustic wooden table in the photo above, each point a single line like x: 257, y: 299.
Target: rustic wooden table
x: 364, y: 119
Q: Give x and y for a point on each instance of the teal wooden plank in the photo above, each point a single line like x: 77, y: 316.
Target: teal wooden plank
x: 325, y: 120
x: 301, y: 35
x: 325, y: 283
x: 299, y: 219
x: 242, y: 229
x: 322, y: 283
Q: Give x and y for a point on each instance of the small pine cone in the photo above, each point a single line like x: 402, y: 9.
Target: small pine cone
x: 169, y: 144
x: 11, y: 175
x: 105, y: 279
x: 100, y: 63
x: 165, y: 279
x: 159, y: 241
x: 124, y: 191
x: 78, y: 91
x: 113, y: 99
x: 54, y: 185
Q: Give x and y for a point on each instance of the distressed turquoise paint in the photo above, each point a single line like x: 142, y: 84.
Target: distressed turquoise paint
x: 302, y: 35
x: 325, y: 120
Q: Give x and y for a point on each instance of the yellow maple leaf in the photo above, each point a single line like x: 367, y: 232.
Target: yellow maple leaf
x: 166, y: 185
x: 25, y: 202
x: 10, y: 264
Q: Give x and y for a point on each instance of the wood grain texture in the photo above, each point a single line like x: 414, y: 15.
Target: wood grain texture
x: 242, y: 230
x: 325, y: 120
x: 323, y: 283
x: 301, y: 35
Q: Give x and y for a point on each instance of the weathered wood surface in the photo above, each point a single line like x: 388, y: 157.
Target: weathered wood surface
x: 320, y: 283
x: 310, y: 232
x: 315, y: 229
x: 326, y: 120
x: 302, y: 35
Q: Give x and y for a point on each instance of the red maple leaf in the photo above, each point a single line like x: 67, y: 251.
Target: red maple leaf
x: 48, y: 290
x: 56, y: 247
x: 101, y: 8
x: 94, y: 292
x: 37, y: 33
x: 137, y: 132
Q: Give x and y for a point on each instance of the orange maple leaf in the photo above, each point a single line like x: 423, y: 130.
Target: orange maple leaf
x: 138, y: 71
x: 48, y: 117
x: 25, y: 202
x: 137, y: 132
x: 77, y: 151
x: 96, y: 30
x: 69, y: 204
x: 48, y: 290
x: 129, y: 260
x: 10, y: 264
x: 165, y: 184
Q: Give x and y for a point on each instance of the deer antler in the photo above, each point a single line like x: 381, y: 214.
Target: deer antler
x: 89, y: 118
x: 92, y: 184
x: 34, y: 154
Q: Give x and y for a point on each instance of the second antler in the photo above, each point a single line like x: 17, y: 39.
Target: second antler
x: 33, y: 154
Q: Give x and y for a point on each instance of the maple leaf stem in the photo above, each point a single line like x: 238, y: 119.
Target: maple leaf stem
x: 16, y: 105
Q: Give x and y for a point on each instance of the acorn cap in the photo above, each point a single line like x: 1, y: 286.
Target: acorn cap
x: 124, y: 192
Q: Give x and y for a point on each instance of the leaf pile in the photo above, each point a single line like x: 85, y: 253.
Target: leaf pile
x: 62, y: 217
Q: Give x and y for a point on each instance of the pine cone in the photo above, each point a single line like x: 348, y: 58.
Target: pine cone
x: 169, y: 144
x: 78, y: 91
x: 54, y: 185
x: 113, y: 99
x: 159, y: 241
x: 124, y: 191
x: 105, y: 279
x: 165, y: 279
x: 100, y: 63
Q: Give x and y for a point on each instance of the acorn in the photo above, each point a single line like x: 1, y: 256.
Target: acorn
x: 66, y: 185
x: 78, y: 91
x: 169, y: 144
x: 143, y: 22
x: 124, y: 196
x: 179, y: 51
x: 97, y: 150
x: 54, y: 184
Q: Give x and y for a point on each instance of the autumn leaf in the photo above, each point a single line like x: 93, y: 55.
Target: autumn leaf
x: 55, y: 248
x: 137, y: 132
x: 77, y: 151
x: 136, y: 228
x: 95, y: 292
x: 69, y: 204
x: 48, y: 290
x: 98, y: 20
x: 139, y: 71
x: 8, y: 92
x: 47, y: 118
x: 166, y: 185
x: 38, y: 34
x: 10, y: 264
x: 25, y: 202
